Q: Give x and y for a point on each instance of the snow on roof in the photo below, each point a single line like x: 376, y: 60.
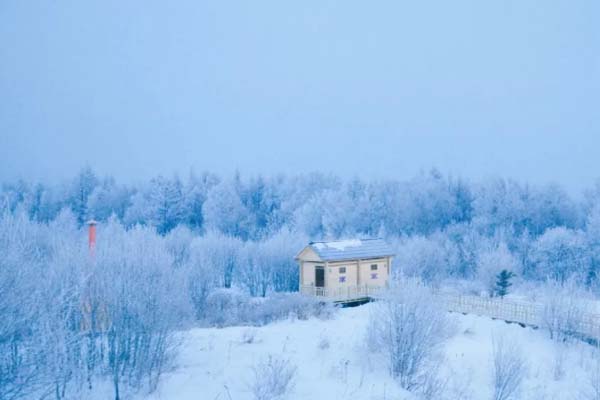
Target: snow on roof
x: 351, y: 249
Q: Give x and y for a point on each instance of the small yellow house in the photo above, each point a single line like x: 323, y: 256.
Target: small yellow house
x: 345, y: 270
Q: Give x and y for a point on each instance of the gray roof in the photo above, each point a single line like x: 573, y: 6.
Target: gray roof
x: 352, y: 249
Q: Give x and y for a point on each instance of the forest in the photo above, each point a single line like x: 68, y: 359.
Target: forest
x: 210, y: 250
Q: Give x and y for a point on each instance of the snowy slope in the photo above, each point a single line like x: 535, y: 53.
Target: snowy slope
x: 217, y: 363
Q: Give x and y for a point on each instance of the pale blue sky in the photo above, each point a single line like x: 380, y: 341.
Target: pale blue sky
x: 135, y: 88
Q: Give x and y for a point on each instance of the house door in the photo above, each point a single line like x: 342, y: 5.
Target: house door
x: 319, y: 277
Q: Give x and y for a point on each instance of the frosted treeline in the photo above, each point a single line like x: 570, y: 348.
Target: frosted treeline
x: 207, y: 250
x: 441, y: 226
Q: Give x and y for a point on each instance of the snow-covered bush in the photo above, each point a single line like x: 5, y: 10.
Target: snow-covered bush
x: 558, y: 366
x: 287, y: 305
x: 233, y: 307
x: 592, y: 390
x: 226, y: 307
x: 564, y: 305
x: 249, y: 336
x: 273, y: 378
x: 508, y: 370
x: 409, y: 328
x: 324, y: 343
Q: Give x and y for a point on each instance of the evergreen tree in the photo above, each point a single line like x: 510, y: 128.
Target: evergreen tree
x: 81, y: 188
x: 503, y: 282
x: 166, y: 200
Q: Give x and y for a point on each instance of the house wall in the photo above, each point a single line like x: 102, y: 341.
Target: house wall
x: 307, y: 277
x: 354, y: 278
x: 333, y: 275
x: 307, y: 260
x: 382, y: 272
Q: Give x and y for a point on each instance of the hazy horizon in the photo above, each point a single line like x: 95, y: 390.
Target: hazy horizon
x: 145, y: 88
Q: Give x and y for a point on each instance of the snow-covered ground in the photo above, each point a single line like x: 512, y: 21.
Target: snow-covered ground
x: 333, y: 361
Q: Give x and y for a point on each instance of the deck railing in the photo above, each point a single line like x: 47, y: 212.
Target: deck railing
x: 345, y: 293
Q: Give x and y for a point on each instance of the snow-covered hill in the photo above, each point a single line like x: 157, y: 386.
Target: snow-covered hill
x: 333, y: 361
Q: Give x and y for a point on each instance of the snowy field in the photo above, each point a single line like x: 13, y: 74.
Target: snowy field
x: 333, y: 361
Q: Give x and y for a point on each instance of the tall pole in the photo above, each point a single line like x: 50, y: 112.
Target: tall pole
x: 92, y: 237
x: 88, y: 323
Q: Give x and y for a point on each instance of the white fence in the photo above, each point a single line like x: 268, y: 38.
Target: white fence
x: 523, y: 312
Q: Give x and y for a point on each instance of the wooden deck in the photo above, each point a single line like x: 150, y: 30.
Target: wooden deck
x: 348, y: 294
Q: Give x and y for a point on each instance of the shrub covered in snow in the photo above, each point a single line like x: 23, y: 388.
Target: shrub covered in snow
x: 226, y: 307
x: 592, y: 390
x: 509, y: 369
x: 409, y: 329
x: 564, y: 306
x: 286, y: 305
x: 273, y: 378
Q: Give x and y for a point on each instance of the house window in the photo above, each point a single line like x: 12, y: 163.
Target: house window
x: 342, y: 270
x: 374, y: 276
x: 342, y: 279
x: 373, y: 267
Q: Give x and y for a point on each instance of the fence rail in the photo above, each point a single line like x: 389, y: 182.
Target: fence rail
x: 347, y: 293
x: 528, y: 313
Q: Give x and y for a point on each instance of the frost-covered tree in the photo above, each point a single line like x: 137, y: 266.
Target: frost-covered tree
x: 261, y: 200
x: 178, y: 243
x: 81, y: 189
x: 138, y: 212
x: 308, y: 218
x: 107, y: 199
x: 221, y: 253
x: 592, y: 237
x: 270, y: 264
x: 435, y: 202
x: 429, y: 258
x: 224, y: 211
x: 166, y: 203
x: 195, y: 194
x: 559, y: 254
x: 503, y: 282
x: 256, y: 270
x: 19, y: 264
x: 280, y: 250
x: 69, y: 320
x: 491, y: 262
x: 140, y: 303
